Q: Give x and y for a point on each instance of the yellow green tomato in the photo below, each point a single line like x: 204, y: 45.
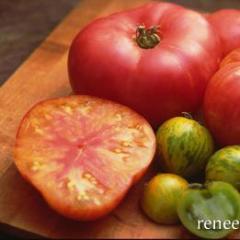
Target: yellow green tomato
x: 184, y: 146
x: 224, y: 165
x: 159, y: 200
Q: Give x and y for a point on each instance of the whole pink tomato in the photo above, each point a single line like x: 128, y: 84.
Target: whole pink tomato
x: 227, y: 24
x: 222, y: 101
x: 156, y: 59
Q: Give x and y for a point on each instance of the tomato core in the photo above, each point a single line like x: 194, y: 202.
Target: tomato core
x: 147, y: 37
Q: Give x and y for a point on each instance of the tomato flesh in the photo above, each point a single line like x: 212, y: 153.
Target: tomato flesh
x: 215, y: 202
x: 83, y: 153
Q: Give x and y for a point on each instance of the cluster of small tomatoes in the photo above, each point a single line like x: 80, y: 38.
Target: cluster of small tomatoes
x: 186, y: 151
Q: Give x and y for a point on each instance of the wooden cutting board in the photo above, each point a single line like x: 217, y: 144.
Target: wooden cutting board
x: 44, y: 75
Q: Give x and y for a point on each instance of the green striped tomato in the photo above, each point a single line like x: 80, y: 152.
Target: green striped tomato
x: 224, y: 165
x: 184, y: 146
x: 160, y: 196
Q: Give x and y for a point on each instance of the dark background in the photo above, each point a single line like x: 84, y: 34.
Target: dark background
x: 25, y: 23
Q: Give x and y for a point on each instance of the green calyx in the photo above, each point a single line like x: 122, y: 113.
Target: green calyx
x: 147, y: 38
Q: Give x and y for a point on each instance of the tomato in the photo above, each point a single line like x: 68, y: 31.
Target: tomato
x: 204, y: 209
x: 221, y: 102
x: 160, y: 196
x: 159, y: 68
x: 224, y: 166
x: 184, y: 146
x: 83, y: 153
x: 232, y: 57
x: 227, y: 24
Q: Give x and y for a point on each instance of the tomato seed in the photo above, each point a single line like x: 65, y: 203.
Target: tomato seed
x: 36, y: 166
x: 138, y: 126
x: 68, y: 109
x: 96, y: 201
x: 118, y: 116
x: 87, y: 175
x: 140, y: 144
x: 118, y: 150
x: 70, y: 185
x: 39, y: 131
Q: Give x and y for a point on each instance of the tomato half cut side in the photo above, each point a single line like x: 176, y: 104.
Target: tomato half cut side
x: 83, y: 153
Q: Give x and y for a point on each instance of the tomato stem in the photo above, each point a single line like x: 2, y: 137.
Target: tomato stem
x: 147, y: 38
x: 187, y: 115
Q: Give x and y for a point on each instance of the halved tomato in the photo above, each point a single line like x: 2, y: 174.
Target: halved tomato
x: 83, y: 153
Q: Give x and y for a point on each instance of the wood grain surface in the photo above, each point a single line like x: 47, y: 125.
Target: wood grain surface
x: 44, y: 75
x: 24, y: 24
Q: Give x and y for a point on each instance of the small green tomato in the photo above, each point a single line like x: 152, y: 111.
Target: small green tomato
x: 184, y: 146
x: 224, y: 165
x: 159, y: 200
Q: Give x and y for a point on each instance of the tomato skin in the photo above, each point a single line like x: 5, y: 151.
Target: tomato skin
x: 159, y: 83
x: 232, y: 58
x: 214, y: 201
x: 160, y: 196
x: 83, y: 153
x: 227, y: 24
x: 184, y: 146
x: 221, y: 101
x: 224, y: 166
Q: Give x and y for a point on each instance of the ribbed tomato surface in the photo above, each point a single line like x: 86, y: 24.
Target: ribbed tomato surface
x: 222, y: 99
x: 227, y: 24
x: 156, y: 59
